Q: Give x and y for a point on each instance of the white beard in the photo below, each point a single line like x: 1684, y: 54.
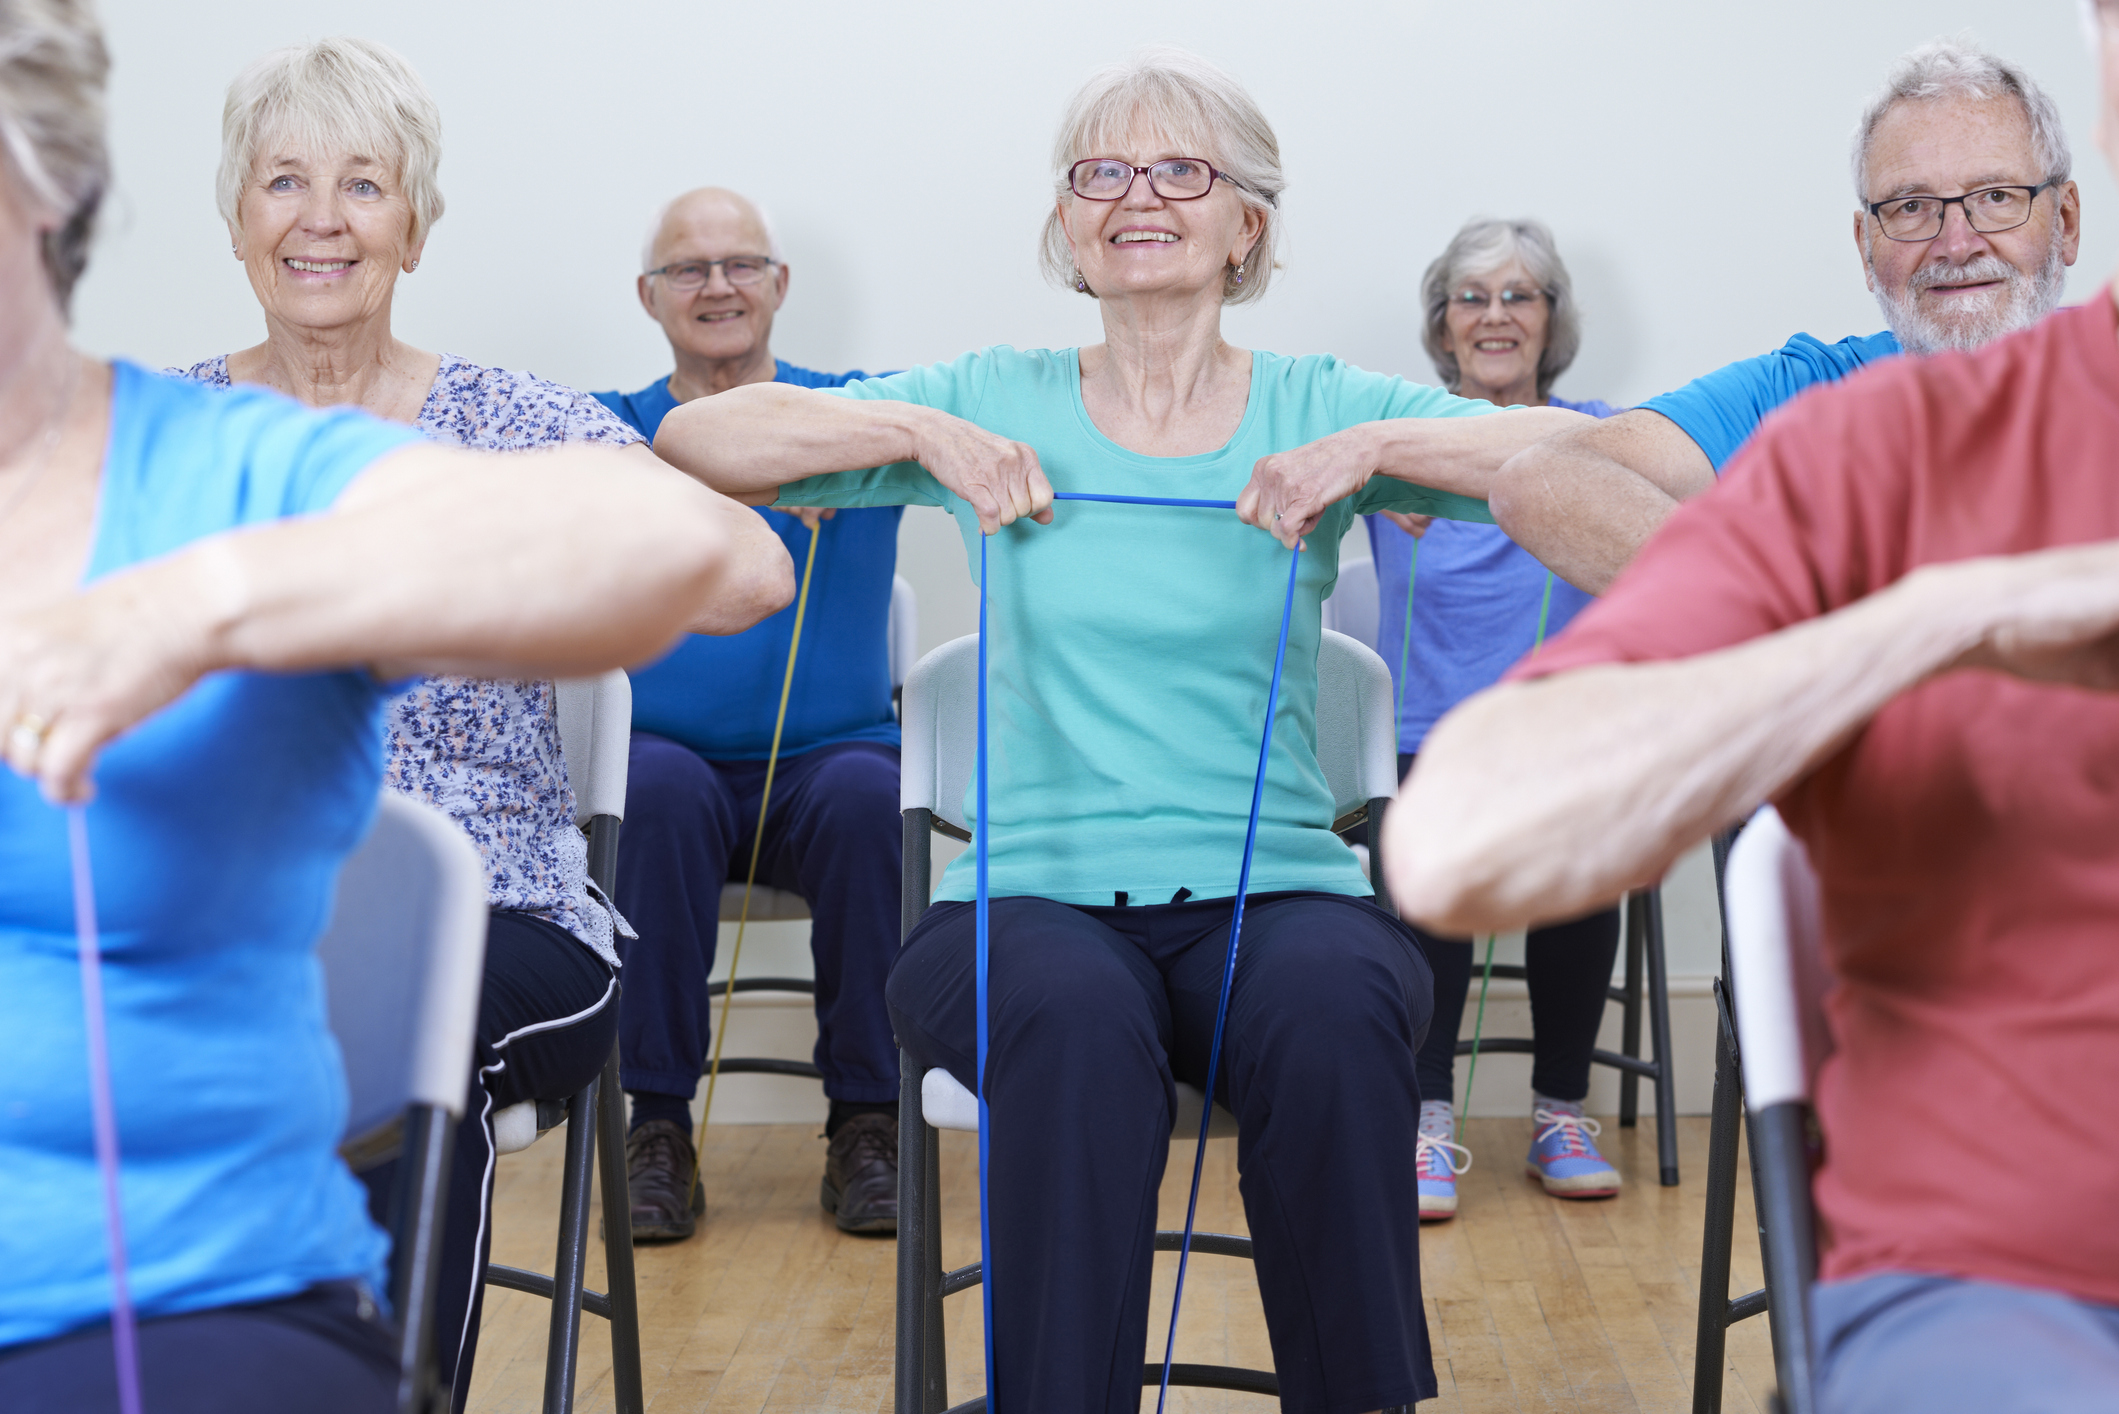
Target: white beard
x: 2021, y: 301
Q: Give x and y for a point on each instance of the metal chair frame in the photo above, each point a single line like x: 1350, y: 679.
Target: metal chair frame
x: 598, y: 1111
x: 922, y: 1356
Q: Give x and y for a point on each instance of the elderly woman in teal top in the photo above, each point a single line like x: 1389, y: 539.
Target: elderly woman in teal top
x: 1131, y: 653
x: 203, y: 596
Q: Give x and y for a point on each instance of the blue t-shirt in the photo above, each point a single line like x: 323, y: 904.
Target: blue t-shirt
x: 719, y: 695
x: 1131, y: 647
x: 1720, y: 410
x: 1476, y: 600
x: 217, y: 832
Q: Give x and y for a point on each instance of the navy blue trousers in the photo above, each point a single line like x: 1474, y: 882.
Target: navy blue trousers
x: 1093, y: 1012
x: 1568, y: 967
x: 833, y: 836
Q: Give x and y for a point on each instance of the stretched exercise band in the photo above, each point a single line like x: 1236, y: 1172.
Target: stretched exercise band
x: 750, y: 880
x: 1486, y: 977
x: 103, y: 1109
x: 983, y: 942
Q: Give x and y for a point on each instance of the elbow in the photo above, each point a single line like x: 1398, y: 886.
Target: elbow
x: 1510, y: 495
x: 747, y: 579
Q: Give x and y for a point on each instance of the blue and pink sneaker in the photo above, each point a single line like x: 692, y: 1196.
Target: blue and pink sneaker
x: 1437, y: 1162
x: 1564, y: 1158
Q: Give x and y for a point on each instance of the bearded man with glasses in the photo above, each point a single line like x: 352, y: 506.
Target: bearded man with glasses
x: 703, y: 720
x: 1966, y: 222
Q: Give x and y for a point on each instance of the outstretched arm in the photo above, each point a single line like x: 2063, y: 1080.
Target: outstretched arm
x: 1583, y: 502
x: 749, y: 442
x: 432, y: 560
x: 1542, y: 799
x: 1290, y: 490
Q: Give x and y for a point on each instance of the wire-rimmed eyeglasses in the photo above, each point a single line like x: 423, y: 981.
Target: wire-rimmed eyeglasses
x: 1172, y: 179
x: 1989, y: 211
x: 738, y: 270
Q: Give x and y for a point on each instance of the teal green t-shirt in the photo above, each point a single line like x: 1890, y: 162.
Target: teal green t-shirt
x: 1132, y: 646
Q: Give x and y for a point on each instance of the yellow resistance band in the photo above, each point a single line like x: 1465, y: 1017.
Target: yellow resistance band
x: 757, y: 847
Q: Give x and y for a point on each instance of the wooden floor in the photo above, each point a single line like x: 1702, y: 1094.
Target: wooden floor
x: 1532, y: 1304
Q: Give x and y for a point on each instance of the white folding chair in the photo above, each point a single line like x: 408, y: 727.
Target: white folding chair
x: 402, y: 959
x: 1357, y: 751
x: 1354, y: 608
x: 1779, y: 978
x: 595, y: 729
x: 770, y: 905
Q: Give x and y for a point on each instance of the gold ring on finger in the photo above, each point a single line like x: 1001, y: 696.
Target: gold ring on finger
x: 27, y: 737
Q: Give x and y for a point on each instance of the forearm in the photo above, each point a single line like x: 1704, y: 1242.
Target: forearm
x: 749, y: 442
x: 1461, y: 454
x: 1544, y: 799
x: 1582, y: 518
x: 536, y: 565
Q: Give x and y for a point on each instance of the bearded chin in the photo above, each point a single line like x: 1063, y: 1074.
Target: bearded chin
x: 2023, y: 301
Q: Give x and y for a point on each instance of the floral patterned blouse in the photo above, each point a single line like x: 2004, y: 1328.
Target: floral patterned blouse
x: 488, y: 752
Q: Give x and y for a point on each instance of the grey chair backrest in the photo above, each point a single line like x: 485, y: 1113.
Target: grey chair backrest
x: 1356, y: 738
x: 1354, y: 608
x: 402, y: 959
x: 904, y: 630
x: 595, y: 733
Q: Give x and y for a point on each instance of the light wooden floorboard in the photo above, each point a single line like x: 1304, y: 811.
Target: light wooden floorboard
x: 1532, y: 1304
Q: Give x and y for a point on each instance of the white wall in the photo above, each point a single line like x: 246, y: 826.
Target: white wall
x: 1691, y: 157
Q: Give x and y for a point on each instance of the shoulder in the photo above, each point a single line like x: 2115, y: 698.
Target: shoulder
x: 213, y: 372
x: 1812, y: 360
x: 959, y: 384
x: 1354, y: 394
x: 502, y: 409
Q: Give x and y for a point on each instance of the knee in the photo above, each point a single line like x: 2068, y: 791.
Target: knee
x: 858, y: 788
x: 666, y: 782
x: 1348, y: 984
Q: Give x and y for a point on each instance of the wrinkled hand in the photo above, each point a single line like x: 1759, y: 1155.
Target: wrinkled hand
x: 1289, y: 491
x: 1413, y: 525
x: 1000, y: 479
x: 2049, y: 616
x: 76, y: 673
x: 810, y: 516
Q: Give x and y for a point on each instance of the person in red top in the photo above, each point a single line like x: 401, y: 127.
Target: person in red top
x: 1896, y: 617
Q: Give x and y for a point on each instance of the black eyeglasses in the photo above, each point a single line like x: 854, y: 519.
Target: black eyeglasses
x: 1172, y: 179
x: 1989, y: 211
x: 738, y: 270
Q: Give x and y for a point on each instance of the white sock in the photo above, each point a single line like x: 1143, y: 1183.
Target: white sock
x: 1547, y: 1102
x: 1438, y: 1119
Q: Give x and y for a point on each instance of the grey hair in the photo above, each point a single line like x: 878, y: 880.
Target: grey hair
x: 1948, y: 68
x: 1483, y: 246
x: 773, y: 247
x: 1194, y: 104
x: 52, y: 70
x: 340, y: 95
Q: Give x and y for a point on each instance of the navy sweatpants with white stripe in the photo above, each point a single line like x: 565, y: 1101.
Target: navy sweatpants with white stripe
x: 547, y: 1019
x: 1093, y: 1011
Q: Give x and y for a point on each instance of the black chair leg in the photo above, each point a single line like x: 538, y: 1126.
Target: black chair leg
x: 628, y: 1394
x: 563, y: 1350
x: 1710, y: 1345
x: 912, y: 1242
x: 934, y: 1360
x: 1630, y: 1006
x: 1666, y: 1088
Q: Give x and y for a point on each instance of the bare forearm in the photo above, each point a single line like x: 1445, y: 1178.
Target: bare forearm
x: 1543, y: 799
x: 1461, y: 454
x: 1586, y: 526
x: 749, y: 442
x: 541, y: 565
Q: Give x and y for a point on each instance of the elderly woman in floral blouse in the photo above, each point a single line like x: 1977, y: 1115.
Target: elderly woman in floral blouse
x: 327, y: 182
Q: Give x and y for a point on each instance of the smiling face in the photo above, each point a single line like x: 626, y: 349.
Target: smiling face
x: 1497, y: 323
x: 324, y: 240
x: 718, y: 322
x: 1143, y: 244
x: 1964, y: 288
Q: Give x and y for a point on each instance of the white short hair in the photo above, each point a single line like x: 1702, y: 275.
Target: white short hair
x: 662, y: 213
x: 1483, y: 246
x: 1193, y: 103
x: 1949, y: 68
x: 53, y: 67
x: 340, y: 95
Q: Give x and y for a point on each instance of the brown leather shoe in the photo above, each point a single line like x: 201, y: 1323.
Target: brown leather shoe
x: 861, y: 1175
x: 659, y: 1163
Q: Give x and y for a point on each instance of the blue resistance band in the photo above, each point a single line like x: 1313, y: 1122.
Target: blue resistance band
x: 1228, y: 971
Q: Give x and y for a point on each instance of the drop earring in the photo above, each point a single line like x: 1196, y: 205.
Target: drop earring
x: 1080, y: 284
x: 1239, y: 273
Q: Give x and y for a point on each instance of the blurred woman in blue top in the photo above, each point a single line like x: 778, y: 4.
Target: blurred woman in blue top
x: 202, y: 594
x: 1131, y: 652
x: 1460, y: 604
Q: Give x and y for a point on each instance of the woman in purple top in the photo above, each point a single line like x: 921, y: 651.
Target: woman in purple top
x: 1501, y: 325
x: 327, y: 182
